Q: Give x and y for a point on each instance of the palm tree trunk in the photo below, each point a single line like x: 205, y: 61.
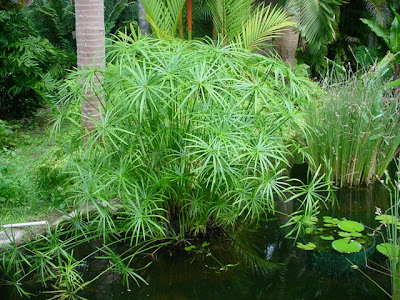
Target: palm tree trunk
x: 90, y: 39
x: 286, y: 44
x: 143, y: 24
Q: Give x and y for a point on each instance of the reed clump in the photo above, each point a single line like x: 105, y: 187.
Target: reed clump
x: 354, y: 132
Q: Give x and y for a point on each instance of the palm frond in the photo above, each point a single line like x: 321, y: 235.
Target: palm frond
x: 163, y: 16
x: 380, y: 11
x: 264, y: 24
x: 230, y: 15
x: 317, y: 20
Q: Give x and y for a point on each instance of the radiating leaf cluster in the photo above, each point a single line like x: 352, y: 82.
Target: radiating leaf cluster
x: 189, y: 131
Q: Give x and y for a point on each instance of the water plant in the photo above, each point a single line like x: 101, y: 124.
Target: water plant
x: 57, y: 257
x: 341, y: 235
x: 191, y: 134
x: 390, y: 221
x: 354, y: 131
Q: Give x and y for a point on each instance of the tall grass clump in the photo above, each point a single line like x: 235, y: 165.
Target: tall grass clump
x: 388, y: 228
x: 393, y: 239
x: 354, y: 131
x: 191, y: 134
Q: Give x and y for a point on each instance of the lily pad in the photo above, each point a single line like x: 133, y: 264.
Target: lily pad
x: 346, y: 246
x: 350, y: 226
x: 330, y: 220
x: 308, y: 246
x: 327, y: 237
x: 388, y: 249
x: 349, y: 234
x: 329, y: 225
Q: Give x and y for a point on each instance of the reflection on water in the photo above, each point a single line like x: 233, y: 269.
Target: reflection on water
x: 253, y: 263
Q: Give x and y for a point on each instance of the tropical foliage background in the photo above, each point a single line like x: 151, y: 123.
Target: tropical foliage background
x: 202, y: 110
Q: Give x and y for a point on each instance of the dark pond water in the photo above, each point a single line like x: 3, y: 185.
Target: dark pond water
x: 254, y: 263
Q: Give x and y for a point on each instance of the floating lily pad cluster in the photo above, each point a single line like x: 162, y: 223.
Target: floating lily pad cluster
x: 391, y: 250
x: 342, y: 235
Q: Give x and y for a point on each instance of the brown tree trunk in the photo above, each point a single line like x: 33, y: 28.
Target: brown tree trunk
x: 286, y: 44
x: 90, y: 40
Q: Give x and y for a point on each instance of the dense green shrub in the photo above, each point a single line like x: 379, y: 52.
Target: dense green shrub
x: 55, y: 21
x: 29, y: 67
x: 7, y: 135
x: 13, y: 190
x: 190, y: 133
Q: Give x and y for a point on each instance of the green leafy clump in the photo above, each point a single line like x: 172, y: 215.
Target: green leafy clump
x: 387, y: 219
x: 29, y: 67
x: 32, y: 180
x: 342, y: 235
x: 190, y: 131
x: 355, y: 131
x: 346, y: 246
x: 388, y: 249
x: 13, y: 189
x: 391, y: 250
x: 55, y: 21
x: 8, y: 136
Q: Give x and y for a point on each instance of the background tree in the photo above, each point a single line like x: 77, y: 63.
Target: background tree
x: 143, y: 23
x: 316, y: 22
x: 29, y: 66
x: 90, y: 42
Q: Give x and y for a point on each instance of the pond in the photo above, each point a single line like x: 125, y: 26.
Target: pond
x: 255, y: 263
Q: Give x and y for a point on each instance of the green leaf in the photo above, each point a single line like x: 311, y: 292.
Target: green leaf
x: 387, y: 219
x: 205, y: 244
x: 365, y: 57
x: 163, y: 16
x: 309, y: 230
x: 350, y: 226
x: 349, y: 234
x: 330, y: 220
x: 395, y: 34
x: 327, y: 237
x: 375, y: 137
x: 317, y: 21
x: 308, y: 246
x: 346, y: 246
x: 389, y: 250
x: 190, y: 248
x: 263, y: 24
x: 394, y: 83
x: 378, y: 30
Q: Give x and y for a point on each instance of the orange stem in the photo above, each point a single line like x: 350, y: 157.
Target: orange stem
x: 189, y: 17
